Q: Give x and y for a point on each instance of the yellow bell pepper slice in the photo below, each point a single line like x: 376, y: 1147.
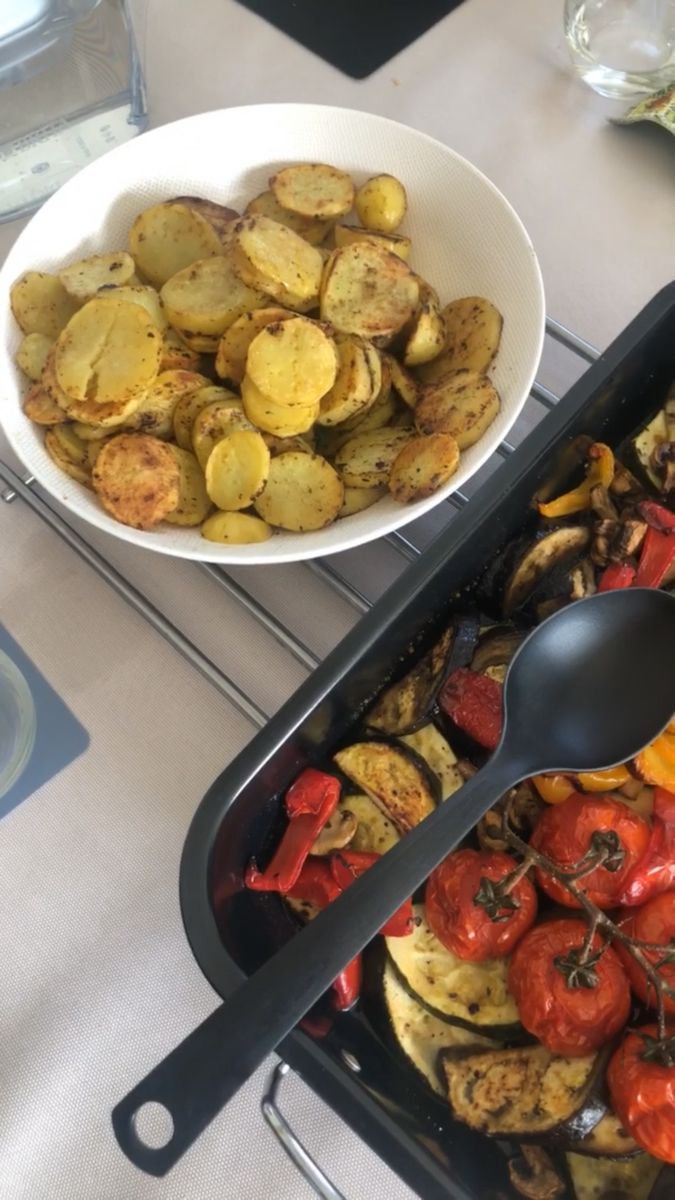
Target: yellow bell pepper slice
x: 600, y: 470
x: 604, y: 781
x: 553, y: 789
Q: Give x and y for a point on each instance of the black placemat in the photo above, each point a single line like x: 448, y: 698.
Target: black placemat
x: 356, y: 36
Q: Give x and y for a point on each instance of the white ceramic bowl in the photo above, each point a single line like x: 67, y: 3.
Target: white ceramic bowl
x: 467, y: 240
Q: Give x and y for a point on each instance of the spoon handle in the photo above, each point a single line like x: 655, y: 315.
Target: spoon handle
x: 197, y: 1079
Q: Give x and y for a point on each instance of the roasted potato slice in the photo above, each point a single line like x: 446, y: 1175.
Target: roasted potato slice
x: 425, y: 338
x: 206, y: 298
x: 90, y: 433
x: 218, y: 215
x: 367, y: 458
x: 381, y: 203
x: 191, y: 402
x: 56, y: 451
x: 398, y: 781
x: 274, y: 418
x: 237, y: 470
x: 277, y: 445
x: 168, y: 237
x: 176, y: 355
x: 71, y: 443
x: 148, y: 298
x: 395, y: 242
x: 473, y: 329
x: 313, y: 190
x: 235, y: 529
x: 234, y: 344
x: 293, y: 362
x: 137, y: 479
x: 358, y: 499
x: 193, y: 504
x: 41, y: 304
x: 156, y: 410
x: 357, y: 383
x: 83, y: 279
x: 32, y: 355
x: 312, y: 229
x: 108, y: 353
x: 403, y: 383
x: 464, y: 404
x: 39, y: 406
x: 423, y: 466
x: 302, y: 492
x: 215, y: 421
x: 272, y: 258
x: 368, y: 291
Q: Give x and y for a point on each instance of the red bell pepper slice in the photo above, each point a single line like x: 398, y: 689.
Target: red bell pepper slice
x: 657, y: 516
x: 310, y: 803
x: 347, y: 987
x: 616, y: 575
x: 656, y: 559
x: 316, y: 883
x: 474, y: 703
x: 348, y: 865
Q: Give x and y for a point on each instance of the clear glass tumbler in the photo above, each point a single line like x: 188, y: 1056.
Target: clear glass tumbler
x: 622, y: 48
x: 17, y: 723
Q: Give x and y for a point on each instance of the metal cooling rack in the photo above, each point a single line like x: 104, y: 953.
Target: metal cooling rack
x: 332, y: 574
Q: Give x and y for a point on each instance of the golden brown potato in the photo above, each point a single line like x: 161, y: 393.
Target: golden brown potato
x: 218, y: 215
x: 367, y: 458
x: 215, y: 421
x: 313, y: 190
x: 83, y: 279
x: 357, y: 384
x: 423, y: 466
x: 41, y: 304
x: 272, y: 258
x: 192, y: 401
x: 137, y: 479
x: 32, y: 355
x: 237, y: 470
x: 395, y: 242
x: 368, y: 291
x: 166, y: 238
x: 279, y: 445
x: 277, y: 419
x: 147, y: 297
x: 464, y: 404
x: 403, y: 382
x: 233, y: 345
x: 358, y: 499
x: 193, y: 502
x: 206, y: 298
x: 39, y: 406
x: 108, y: 353
x: 302, y: 492
x: 293, y: 362
x: 235, y: 529
x: 381, y: 203
x: 156, y: 410
x: 71, y: 443
x: 425, y: 338
x: 176, y: 355
x: 473, y: 329
x: 58, y: 453
x: 90, y: 433
x: 312, y: 229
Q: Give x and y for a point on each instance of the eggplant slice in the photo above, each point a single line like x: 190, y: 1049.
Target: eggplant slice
x: 608, y: 1139
x: 394, y: 777
x: 525, y: 1093
x: 405, y: 705
x: 473, y: 995
x: 548, y: 550
x: 375, y: 833
x: 439, y: 756
x: 593, y: 1179
x: 496, y: 647
x: 420, y: 1035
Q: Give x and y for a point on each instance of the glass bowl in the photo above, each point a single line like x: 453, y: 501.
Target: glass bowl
x: 17, y: 723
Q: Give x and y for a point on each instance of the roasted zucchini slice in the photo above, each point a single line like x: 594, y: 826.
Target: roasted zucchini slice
x: 631, y: 1180
x: 608, y: 1139
x: 439, y: 756
x: 394, y: 777
x: 375, y: 833
x: 640, y: 449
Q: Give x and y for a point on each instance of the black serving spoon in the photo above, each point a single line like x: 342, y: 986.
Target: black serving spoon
x: 589, y: 688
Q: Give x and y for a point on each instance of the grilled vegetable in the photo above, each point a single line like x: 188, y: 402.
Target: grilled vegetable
x: 608, y: 1139
x: 548, y: 550
x: 337, y: 833
x: 474, y: 703
x: 640, y: 450
x: 475, y: 907
x: 534, y: 1176
x: 419, y: 1034
x: 397, y: 779
x: 631, y: 1180
x: 437, y: 753
x: 524, y: 1092
x: 600, y: 472
x: 310, y: 803
x: 473, y: 995
x: 404, y: 706
x: 641, y: 1082
x: 375, y: 833
x: 496, y: 647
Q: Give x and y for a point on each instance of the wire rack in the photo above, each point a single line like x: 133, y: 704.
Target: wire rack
x: 346, y: 575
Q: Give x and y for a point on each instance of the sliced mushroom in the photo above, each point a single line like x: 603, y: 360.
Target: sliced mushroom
x: 663, y: 460
x: 524, y: 811
x: 624, y: 482
x: 602, y: 504
x: 582, y: 579
x: 627, y: 539
x: 534, y: 1175
x: 337, y: 833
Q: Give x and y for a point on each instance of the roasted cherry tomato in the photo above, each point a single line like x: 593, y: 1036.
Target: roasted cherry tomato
x: 642, y: 1091
x: 654, y: 922
x: 570, y: 1006
x: 468, y: 910
x: 570, y: 832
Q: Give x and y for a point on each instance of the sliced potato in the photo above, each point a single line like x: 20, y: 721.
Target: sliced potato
x: 189, y: 405
x: 403, y: 383
x: 108, y: 353
x: 176, y: 355
x: 237, y: 470
x: 156, y: 410
x: 94, y: 449
x: 39, y: 406
x: 270, y: 257
x: 358, y: 499
x: 426, y: 337
x: 168, y: 237
x: 137, y: 479
x: 56, y: 451
x: 199, y: 343
x: 32, y: 355
x: 71, y: 444
x: 381, y: 203
x: 395, y: 242
x: 368, y: 291
x: 216, y: 420
x: 473, y: 329
x: 90, y: 433
x: 312, y: 229
x: 313, y: 190
x: 278, y: 445
x: 423, y: 466
x: 218, y: 215
x: 233, y: 345
x: 357, y: 383
x: 147, y: 297
x: 302, y: 492
x: 83, y: 279
x: 41, y: 304
x: 367, y: 458
x: 277, y: 419
x: 463, y: 404
x: 235, y: 529
x: 193, y: 504
x: 206, y: 298
x: 293, y: 362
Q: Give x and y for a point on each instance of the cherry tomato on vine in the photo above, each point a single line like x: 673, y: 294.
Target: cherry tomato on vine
x: 468, y: 910
x: 571, y: 1006
x: 654, y: 922
x: 641, y: 1081
x: 571, y: 832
